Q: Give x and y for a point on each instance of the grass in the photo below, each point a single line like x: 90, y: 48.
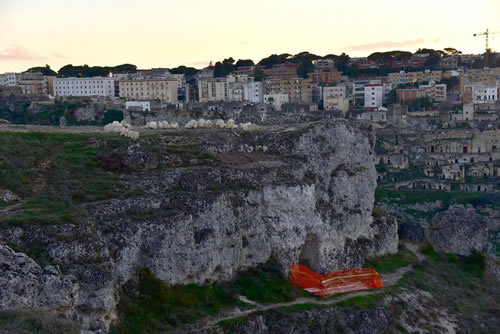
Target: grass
x: 158, y: 307
x: 23, y: 322
x: 362, y: 302
x: 266, y: 287
x: 73, y: 176
x: 390, y: 263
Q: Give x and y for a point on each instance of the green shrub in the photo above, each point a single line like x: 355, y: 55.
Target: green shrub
x: 112, y: 115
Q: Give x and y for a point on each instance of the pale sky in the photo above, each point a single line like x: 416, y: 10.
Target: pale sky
x: 168, y: 33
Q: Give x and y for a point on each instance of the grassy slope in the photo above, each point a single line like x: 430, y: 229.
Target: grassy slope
x: 73, y: 176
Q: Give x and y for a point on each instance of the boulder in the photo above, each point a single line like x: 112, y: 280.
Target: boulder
x: 457, y: 230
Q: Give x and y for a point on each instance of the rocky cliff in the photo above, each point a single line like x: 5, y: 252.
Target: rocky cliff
x: 207, y: 204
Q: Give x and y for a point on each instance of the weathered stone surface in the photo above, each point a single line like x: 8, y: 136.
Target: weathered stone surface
x: 275, y: 195
x: 24, y: 285
x: 457, y: 230
x: 7, y: 196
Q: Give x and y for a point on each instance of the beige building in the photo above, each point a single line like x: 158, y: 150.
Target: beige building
x: 150, y: 89
x: 298, y: 90
x: 403, y: 77
x: 336, y: 103
x: 436, y: 92
x: 335, y: 91
x: 212, y: 89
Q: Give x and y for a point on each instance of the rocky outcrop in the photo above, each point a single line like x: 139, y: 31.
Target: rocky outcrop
x: 24, y: 284
x: 7, y: 196
x: 211, y: 203
x: 457, y: 230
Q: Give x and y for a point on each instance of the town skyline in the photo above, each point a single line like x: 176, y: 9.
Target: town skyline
x: 112, y: 33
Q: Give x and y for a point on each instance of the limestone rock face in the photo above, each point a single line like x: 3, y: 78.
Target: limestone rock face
x: 24, y: 285
x: 284, y: 195
x: 457, y: 230
x: 7, y: 196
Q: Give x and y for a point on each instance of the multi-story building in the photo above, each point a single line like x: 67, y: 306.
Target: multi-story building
x: 482, y: 94
x: 276, y: 100
x: 253, y: 92
x: 33, y: 83
x: 235, y: 86
x: 358, y: 91
x: 96, y: 86
x: 9, y: 79
x: 449, y: 62
x: 374, y: 95
x: 298, y: 90
x: 336, y: 103
x: 403, y: 77
x: 436, y: 92
x: 281, y: 71
x: 212, y: 89
x: 363, y: 63
x: 248, y: 70
x: 325, y: 76
x: 335, y: 91
x: 150, y: 89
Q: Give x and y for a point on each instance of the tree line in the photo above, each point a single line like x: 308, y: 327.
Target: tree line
x: 304, y: 60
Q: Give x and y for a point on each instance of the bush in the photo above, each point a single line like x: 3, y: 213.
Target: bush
x: 475, y: 263
x: 112, y: 115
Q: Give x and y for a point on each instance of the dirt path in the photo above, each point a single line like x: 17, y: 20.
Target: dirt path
x: 40, y: 182
x: 389, y: 279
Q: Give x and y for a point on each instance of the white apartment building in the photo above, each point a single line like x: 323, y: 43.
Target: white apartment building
x: 144, y: 105
x: 276, y: 100
x: 212, y: 89
x: 374, y: 95
x: 253, y: 92
x: 482, y: 94
x: 150, y: 89
x: 96, y: 86
x: 9, y: 79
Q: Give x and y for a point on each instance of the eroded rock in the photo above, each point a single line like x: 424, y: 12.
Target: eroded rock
x: 457, y: 230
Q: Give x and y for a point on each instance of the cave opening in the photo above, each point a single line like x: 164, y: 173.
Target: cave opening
x: 309, y: 253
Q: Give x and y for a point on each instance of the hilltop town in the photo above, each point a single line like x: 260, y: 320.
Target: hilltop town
x: 224, y: 178
x: 436, y: 112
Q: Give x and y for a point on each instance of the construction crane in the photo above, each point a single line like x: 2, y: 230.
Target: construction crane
x: 487, y: 34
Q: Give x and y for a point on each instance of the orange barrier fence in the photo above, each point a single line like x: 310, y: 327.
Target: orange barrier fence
x: 335, y: 282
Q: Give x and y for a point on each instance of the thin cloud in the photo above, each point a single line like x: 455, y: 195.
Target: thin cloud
x: 200, y: 63
x: 17, y: 53
x: 59, y: 56
x: 385, y: 45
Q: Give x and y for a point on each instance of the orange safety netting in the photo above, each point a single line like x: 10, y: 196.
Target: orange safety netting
x: 335, y: 282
